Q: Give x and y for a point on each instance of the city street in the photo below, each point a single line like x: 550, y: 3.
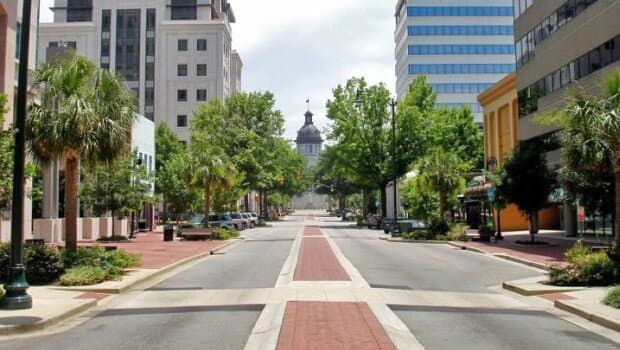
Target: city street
x: 317, y: 283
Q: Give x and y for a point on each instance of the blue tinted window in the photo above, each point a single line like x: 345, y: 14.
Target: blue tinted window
x: 461, y: 68
x: 476, y: 108
x: 440, y: 11
x: 460, y: 88
x: 460, y: 30
x: 461, y: 49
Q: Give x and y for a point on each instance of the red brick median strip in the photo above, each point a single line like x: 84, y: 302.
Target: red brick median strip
x: 312, y: 231
x: 331, y: 325
x: 317, y: 262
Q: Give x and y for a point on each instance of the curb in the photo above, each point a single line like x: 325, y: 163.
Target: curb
x: 522, y: 261
x: 158, y: 272
x: 45, y: 323
x: 592, y: 317
x: 529, y: 292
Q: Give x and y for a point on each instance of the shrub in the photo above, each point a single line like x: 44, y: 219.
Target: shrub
x: 418, y: 234
x: 83, y: 275
x: 576, y: 252
x: 221, y: 233
x: 438, y: 227
x: 123, y: 259
x: 457, y: 236
x: 111, y: 262
x: 5, y: 261
x: 613, y: 298
x: 585, y: 268
x: 42, y: 264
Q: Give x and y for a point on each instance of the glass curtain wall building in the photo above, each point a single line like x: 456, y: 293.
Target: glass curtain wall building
x: 461, y: 46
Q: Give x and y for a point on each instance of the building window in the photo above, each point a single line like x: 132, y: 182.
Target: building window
x: 182, y: 70
x: 106, y: 19
x: 128, y: 44
x: 498, y: 68
x: 460, y: 30
x: 201, y: 69
x: 182, y: 45
x: 414, y: 50
x: 181, y: 121
x: 201, y: 45
x: 182, y: 95
x: 183, y: 9
x: 201, y: 95
x: 448, y: 11
x: 79, y: 10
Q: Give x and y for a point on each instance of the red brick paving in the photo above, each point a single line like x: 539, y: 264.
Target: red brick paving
x: 317, y: 262
x: 331, y: 325
x: 312, y: 231
x: 96, y: 296
x: 552, y: 255
x: 155, y: 253
x: 556, y: 296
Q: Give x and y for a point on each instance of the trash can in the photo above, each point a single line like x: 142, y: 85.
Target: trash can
x: 168, y: 233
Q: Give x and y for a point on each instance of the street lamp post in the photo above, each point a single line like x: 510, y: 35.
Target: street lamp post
x: 394, y: 166
x: 16, y: 297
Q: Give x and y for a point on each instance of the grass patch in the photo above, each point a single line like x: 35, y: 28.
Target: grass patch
x: 613, y: 298
x: 83, y: 276
x: 223, y: 234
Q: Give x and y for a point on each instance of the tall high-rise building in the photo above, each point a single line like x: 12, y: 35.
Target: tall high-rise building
x: 175, y: 54
x: 561, y: 46
x: 463, y: 47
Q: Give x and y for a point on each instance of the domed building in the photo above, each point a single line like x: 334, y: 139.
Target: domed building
x: 309, y: 144
x: 309, y: 141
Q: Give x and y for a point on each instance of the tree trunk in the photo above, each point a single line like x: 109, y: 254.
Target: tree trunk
x: 383, y: 200
x: 443, y: 199
x: 71, y: 201
x: 341, y: 206
x: 207, y: 204
x: 533, y: 224
x: 617, y: 211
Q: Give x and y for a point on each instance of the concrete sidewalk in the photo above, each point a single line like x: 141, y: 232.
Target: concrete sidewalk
x: 53, y: 304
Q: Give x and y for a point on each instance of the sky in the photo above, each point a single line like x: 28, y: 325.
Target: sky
x: 304, y: 49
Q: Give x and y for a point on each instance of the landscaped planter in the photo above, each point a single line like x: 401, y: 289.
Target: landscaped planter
x: 105, y: 226
x: 90, y: 228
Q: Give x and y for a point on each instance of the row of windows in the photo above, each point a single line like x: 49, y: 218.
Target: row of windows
x: 147, y: 161
x: 460, y: 30
x: 461, y: 49
x: 460, y: 88
x: 461, y: 68
x: 201, y: 45
x: 583, y: 66
x: 201, y: 95
x: 441, y: 11
x: 201, y: 70
x: 474, y: 107
x: 520, y: 6
x: 525, y: 47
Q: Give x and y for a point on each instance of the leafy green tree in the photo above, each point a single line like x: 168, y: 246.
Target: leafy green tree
x: 419, y: 200
x: 333, y: 178
x: 365, y: 135
x: 167, y: 146
x: 174, y: 176
x: 84, y: 114
x: 442, y: 171
x: 528, y: 182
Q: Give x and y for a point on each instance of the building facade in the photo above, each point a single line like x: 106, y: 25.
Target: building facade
x: 463, y: 47
x: 10, y: 30
x: 175, y: 54
x: 309, y: 144
x: 561, y: 46
x: 499, y: 106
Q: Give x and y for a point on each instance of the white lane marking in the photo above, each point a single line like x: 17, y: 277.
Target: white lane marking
x: 288, y: 269
x: 266, y: 331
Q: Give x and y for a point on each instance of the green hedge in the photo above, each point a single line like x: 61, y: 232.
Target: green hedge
x: 224, y: 234
x: 613, y: 298
x: 586, y: 268
x: 43, y: 264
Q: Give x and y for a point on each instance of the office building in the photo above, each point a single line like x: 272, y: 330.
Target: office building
x: 463, y: 47
x: 175, y: 54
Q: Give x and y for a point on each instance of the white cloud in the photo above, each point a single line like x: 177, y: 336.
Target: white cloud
x: 300, y: 49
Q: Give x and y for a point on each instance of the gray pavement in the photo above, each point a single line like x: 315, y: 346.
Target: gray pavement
x: 435, y: 267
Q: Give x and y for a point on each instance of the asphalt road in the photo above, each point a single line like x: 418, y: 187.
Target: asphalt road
x: 255, y: 262
x: 442, y: 268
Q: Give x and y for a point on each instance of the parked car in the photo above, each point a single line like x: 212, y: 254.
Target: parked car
x: 197, y: 220
x: 405, y: 225
x: 222, y: 220
x: 253, y: 219
x: 240, y: 222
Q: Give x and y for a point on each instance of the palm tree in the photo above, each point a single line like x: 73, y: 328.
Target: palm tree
x: 84, y: 114
x: 442, y: 171
x: 602, y: 116
x: 210, y: 168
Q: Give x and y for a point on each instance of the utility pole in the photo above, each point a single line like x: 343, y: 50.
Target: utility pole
x: 394, y: 166
x: 16, y: 297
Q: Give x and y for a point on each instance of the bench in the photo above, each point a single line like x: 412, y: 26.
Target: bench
x: 194, y: 234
